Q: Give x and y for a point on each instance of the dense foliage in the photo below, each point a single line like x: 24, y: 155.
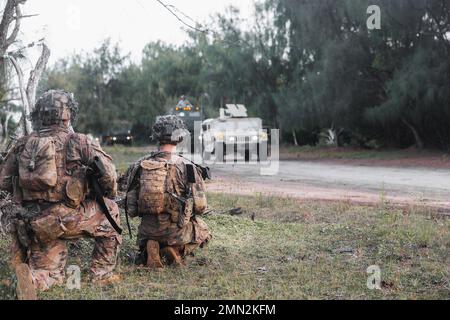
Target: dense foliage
x: 305, y: 66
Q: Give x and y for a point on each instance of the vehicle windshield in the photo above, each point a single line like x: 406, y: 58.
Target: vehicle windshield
x: 239, y: 124
x: 188, y: 114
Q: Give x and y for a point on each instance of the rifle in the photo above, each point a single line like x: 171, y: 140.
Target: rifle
x: 206, y: 172
x: 97, y: 170
x: 185, y: 202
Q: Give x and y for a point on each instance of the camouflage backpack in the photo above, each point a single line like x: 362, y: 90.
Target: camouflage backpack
x: 37, y: 164
x: 153, y: 198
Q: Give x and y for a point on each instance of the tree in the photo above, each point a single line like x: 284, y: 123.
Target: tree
x: 305, y: 67
x: 12, y: 13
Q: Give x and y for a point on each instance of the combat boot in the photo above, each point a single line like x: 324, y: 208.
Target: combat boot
x: 25, y: 288
x: 107, y: 281
x: 153, y: 257
x: 172, y: 254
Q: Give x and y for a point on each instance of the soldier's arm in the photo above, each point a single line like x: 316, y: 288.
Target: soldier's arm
x: 10, y: 169
x: 90, y: 150
x: 109, y: 179
x: 132, y: 177
x: 199, y: 194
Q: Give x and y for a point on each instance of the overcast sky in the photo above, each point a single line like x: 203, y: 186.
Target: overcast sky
x: 74, y: 25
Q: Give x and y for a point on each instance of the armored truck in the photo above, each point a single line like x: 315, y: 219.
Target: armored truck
x: 234, y: 133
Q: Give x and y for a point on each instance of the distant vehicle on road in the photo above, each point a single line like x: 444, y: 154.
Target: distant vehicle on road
x: 188, y: 112
x: 118, y: 137
x: 234, y: 132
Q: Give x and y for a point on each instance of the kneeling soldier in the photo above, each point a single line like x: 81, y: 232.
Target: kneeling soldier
x: 48, y: 173
x: 167, y: 191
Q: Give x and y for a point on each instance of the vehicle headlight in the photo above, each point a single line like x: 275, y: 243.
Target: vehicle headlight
x: 254, y: 138
x: 220, y: 136
x: 114, y: 138
x: 128, y: 138
x: 263, y: 136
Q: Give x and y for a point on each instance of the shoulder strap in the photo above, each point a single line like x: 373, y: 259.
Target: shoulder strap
x: 205, y: 171
x: 135, y: 170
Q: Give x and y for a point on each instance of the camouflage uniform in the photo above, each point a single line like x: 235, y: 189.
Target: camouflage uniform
x: 165, y: 227
x: 65, y: 212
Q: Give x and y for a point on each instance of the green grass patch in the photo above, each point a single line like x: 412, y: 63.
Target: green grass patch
x: 124, y: 156
x: 282, y: 248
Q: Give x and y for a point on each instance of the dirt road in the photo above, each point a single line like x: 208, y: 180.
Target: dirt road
x: 324, y: 181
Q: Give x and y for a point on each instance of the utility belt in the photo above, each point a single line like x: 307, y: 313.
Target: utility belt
x: 35, y: 208
x: 30, y: 211
x: 185, y: 211
x: 38, y: 220
x: 180, y: 210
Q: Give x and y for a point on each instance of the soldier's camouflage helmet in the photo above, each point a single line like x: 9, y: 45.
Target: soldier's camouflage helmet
x: 169, y: 130
x: 54, y: 107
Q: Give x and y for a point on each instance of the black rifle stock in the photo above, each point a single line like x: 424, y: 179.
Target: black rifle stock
x: 97, y: 171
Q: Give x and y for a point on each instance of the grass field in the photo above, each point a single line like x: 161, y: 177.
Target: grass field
x: 283, y: 248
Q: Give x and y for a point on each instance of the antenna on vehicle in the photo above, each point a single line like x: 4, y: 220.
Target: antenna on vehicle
x: 233, y: 111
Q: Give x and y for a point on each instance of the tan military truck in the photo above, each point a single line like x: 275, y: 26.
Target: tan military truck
x: 234, y: 134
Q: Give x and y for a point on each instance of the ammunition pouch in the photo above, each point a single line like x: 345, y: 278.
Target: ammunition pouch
x: 76, y: 189
x: 22, y: 227
x: 185, y: 213
x: 53, y: 223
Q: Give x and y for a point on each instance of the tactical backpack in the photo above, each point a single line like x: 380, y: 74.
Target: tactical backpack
x: 37, y: 164
x: 45, y: 173
x: 153, y: 197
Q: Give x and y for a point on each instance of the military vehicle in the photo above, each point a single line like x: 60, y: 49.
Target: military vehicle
x: 118, y: 133
x: 118, y: 137
x: 234, y: 133
x: 190, y: 114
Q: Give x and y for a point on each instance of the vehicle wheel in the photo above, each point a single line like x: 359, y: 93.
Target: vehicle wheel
x: 247, y: 155
x: 262, y: 152
x: 235, y: 153
x: 205, y: 155
x: 220, y: 151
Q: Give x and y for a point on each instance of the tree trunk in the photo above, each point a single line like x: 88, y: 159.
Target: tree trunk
x: 419, y: 142
x: 26, y: 124
x: 294, y: 135
x: 36, y: 75
x: 5, y: 130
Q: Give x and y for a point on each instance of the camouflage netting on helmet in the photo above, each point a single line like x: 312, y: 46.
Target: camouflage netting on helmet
x: 53, y: 107
x: 169, y: 130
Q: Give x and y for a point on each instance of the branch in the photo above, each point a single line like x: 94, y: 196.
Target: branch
x: 9, y: 100
x: 30, y: 45
x: 24, y: 16
x: 26, y: 106
x: 16, y: 29
x: 8, y: 16
x: 36, y: 75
